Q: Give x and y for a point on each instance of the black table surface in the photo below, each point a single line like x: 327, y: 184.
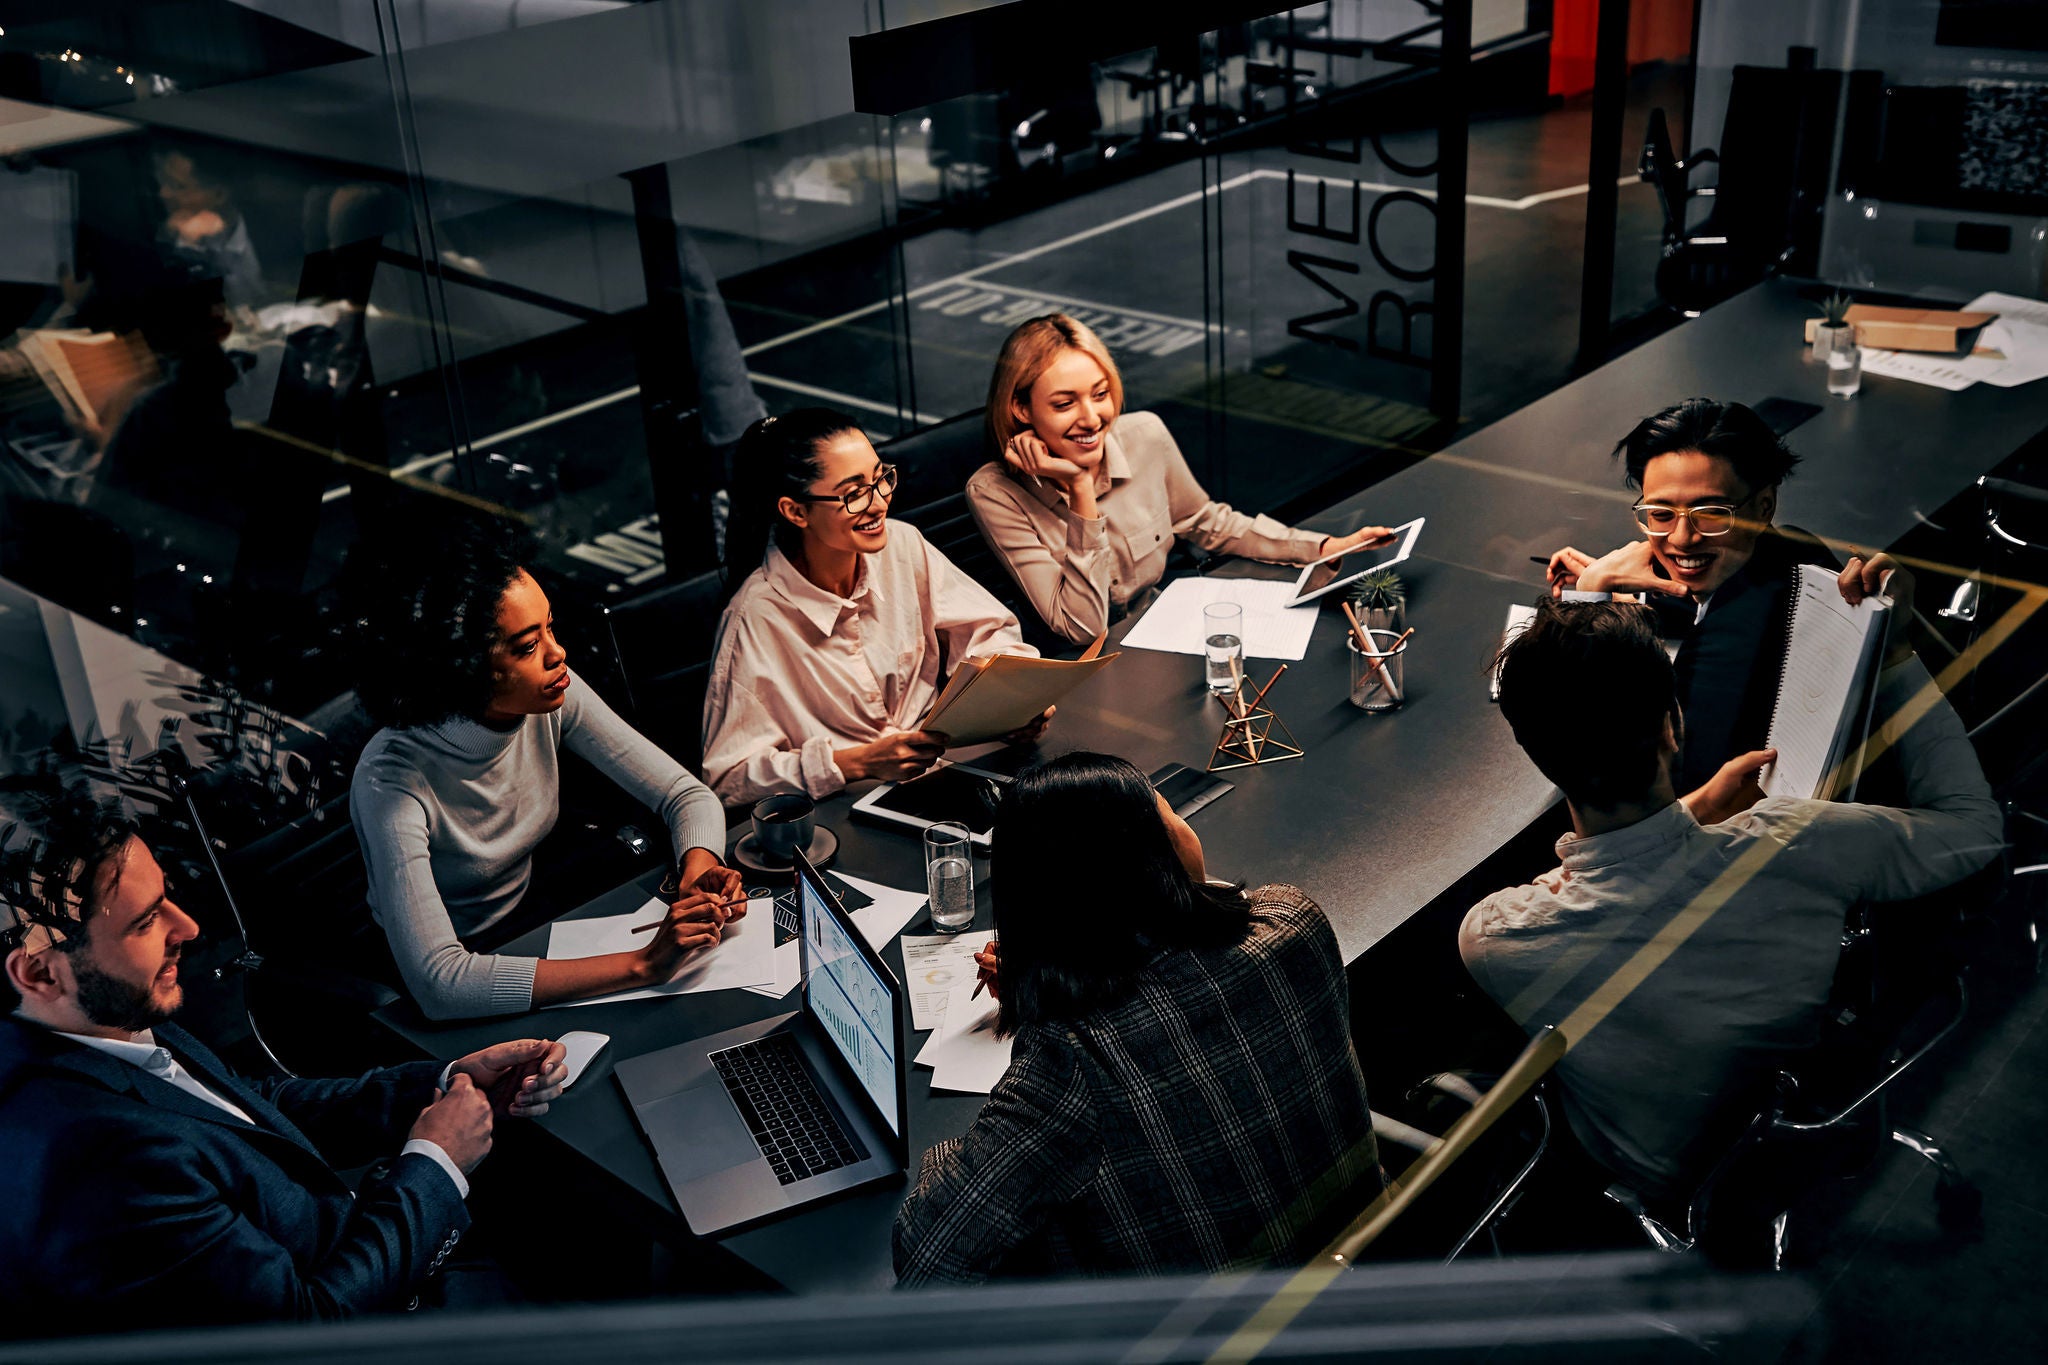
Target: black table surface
x: 1385, y: 812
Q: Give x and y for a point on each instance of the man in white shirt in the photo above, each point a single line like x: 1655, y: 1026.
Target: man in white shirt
x: 1683, y: 947
x: 145, y: 1179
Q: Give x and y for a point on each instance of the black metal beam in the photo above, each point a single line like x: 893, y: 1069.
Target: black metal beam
x: 1454, y: 116
x: 1006, y: 45
x: 668, y: 381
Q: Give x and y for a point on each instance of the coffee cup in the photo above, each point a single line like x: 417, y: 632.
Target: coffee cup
x: 783, y: 826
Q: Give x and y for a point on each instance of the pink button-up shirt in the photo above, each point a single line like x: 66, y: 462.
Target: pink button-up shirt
x: 799, y: 672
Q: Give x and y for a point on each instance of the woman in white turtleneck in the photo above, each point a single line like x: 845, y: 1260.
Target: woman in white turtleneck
x: 451, y: 798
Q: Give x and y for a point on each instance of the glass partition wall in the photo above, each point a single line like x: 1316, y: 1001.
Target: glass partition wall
x: 283, y: 275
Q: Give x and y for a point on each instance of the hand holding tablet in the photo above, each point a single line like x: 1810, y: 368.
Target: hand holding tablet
x: 1332, y: 572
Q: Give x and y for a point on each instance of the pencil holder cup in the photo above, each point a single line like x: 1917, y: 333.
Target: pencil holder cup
x: 1377, y: 680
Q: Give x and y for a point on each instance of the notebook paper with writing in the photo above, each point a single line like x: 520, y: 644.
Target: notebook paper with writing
x: 1832, y: 655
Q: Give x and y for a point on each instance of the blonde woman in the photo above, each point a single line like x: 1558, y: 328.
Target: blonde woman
x: 1082, y: 502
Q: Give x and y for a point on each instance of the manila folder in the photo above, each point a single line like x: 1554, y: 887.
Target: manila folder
x: 1006, y: 693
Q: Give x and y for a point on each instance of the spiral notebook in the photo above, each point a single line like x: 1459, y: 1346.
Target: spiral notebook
x: 1832, y: 655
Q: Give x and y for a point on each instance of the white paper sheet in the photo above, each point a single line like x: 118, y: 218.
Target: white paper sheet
x: 743, y: 957
x: 1940, y: 371
x: 1830, y: 651
x: 2020, y: 333
x: 1173, y: 623
x: 932, y: 965
x: 878, y: 923
x: 966, y: 1056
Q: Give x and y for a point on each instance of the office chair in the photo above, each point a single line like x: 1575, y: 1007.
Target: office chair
x: 1772, y: 184
x: 1796, y: 1113
x: 1442, y: 1155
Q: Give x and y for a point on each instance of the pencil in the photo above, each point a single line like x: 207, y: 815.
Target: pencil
x: 656, y: 924
x: 1365, y: 648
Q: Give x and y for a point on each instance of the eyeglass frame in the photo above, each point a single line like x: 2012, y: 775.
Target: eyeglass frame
x: 1689, y: 511
x: 884, y: 473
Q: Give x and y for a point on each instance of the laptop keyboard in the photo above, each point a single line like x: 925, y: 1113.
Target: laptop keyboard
x: 790, y: 1119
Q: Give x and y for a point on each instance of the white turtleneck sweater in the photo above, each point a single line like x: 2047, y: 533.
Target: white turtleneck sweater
x: 449, y: 816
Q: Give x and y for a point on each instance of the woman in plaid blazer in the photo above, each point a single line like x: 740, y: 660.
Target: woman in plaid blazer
x: 1182, y: 1093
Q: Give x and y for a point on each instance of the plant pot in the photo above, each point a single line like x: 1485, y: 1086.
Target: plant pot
x: 1824, y: 337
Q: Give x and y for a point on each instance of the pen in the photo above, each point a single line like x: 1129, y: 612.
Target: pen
x: 656, y: 924
x: 1540, y: 559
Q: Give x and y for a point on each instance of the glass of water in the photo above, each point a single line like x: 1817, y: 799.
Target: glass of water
x: 949, y: 876
x: 1223, y: 646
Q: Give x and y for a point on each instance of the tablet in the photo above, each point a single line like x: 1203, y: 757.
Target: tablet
x: 956, y: 792
x: 1348, y: 566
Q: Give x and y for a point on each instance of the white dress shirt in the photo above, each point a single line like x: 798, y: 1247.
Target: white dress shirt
x: 142, y: 1052
x: 1747, y: 983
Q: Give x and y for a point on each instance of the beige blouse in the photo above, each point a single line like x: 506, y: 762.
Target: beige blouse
x: 1081, y: 574
x: 798, y: 672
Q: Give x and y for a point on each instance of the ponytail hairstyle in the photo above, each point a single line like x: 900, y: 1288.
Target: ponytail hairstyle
x: 777, y: 458
x: 1026, y: 354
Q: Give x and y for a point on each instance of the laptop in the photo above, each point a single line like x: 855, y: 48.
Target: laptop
x: 775, y: 1115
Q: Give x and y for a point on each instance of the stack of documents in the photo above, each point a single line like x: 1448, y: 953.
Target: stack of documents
x: 963, y: 1052
x: 2011, y: 350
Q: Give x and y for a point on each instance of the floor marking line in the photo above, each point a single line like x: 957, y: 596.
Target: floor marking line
x: 833, y: 395
x: 1067, y: 300
x: 974, y: 275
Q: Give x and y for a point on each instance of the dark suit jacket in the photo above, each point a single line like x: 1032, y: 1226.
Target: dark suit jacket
x: 1213, y: 1121
x: 128, y: 1201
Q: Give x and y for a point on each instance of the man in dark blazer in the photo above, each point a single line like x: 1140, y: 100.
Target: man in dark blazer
x: 146, y: 1183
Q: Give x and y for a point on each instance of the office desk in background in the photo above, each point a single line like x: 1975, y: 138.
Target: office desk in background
x: 1385, y: 813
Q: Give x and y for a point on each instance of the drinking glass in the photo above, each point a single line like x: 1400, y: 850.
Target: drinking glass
x: 1223, y: 646
x: 1845, y: 362
x: 949, y: 876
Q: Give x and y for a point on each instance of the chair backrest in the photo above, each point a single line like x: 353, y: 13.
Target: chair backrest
x: 650, y: 658
x: 1542, y: 1053
x: 1777, y: 143
x: 1659, y: 165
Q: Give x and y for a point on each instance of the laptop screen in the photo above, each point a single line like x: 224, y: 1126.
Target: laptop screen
x: 851, y: 1000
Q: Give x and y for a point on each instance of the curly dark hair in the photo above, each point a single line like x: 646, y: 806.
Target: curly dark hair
x: 1727, y: 431
x: 57, y: 829
x: 426, y: 619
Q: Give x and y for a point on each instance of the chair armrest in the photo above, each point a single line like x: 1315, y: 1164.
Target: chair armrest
x: 1401, y: 1134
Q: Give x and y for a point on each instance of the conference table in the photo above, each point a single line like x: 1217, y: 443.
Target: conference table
x: 1384, y: 813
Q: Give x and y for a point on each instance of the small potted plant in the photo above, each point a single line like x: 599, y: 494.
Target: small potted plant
x: 1834, y: 326
x: 1380, y: 599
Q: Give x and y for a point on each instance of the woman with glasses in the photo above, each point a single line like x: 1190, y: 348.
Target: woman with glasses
x: 842, y: 627
x: 1715, y: 565
x: 1083, y: 502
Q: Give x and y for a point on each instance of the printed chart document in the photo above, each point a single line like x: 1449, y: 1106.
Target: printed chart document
x: 964, y: 1054
x: 887, y: 912
x: 744, y: 957
x: 933, y: 964
x: 1173, y: 623
x: 1832, y: 655
x: 2020, y: 334
x: 1006, y: 693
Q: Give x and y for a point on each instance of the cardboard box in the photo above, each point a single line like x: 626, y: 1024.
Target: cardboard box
x: 1909, y: 329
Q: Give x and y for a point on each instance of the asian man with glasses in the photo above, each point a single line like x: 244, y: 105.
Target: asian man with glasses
x: 1715, y: 565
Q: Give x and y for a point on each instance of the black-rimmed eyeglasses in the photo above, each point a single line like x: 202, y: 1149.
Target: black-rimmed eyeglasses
x: 861, y: 496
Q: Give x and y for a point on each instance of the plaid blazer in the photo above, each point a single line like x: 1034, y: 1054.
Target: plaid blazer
x: 1216, y: 1120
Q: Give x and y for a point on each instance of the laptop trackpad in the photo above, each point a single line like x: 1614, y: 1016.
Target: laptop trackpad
x: 697, y: 1132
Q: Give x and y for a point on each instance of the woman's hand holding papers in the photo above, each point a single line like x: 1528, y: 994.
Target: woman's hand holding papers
x: 1029, y: 733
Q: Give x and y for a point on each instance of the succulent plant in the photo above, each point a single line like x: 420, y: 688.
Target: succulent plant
x: 1380, y: 590
x: 1834, y: 309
